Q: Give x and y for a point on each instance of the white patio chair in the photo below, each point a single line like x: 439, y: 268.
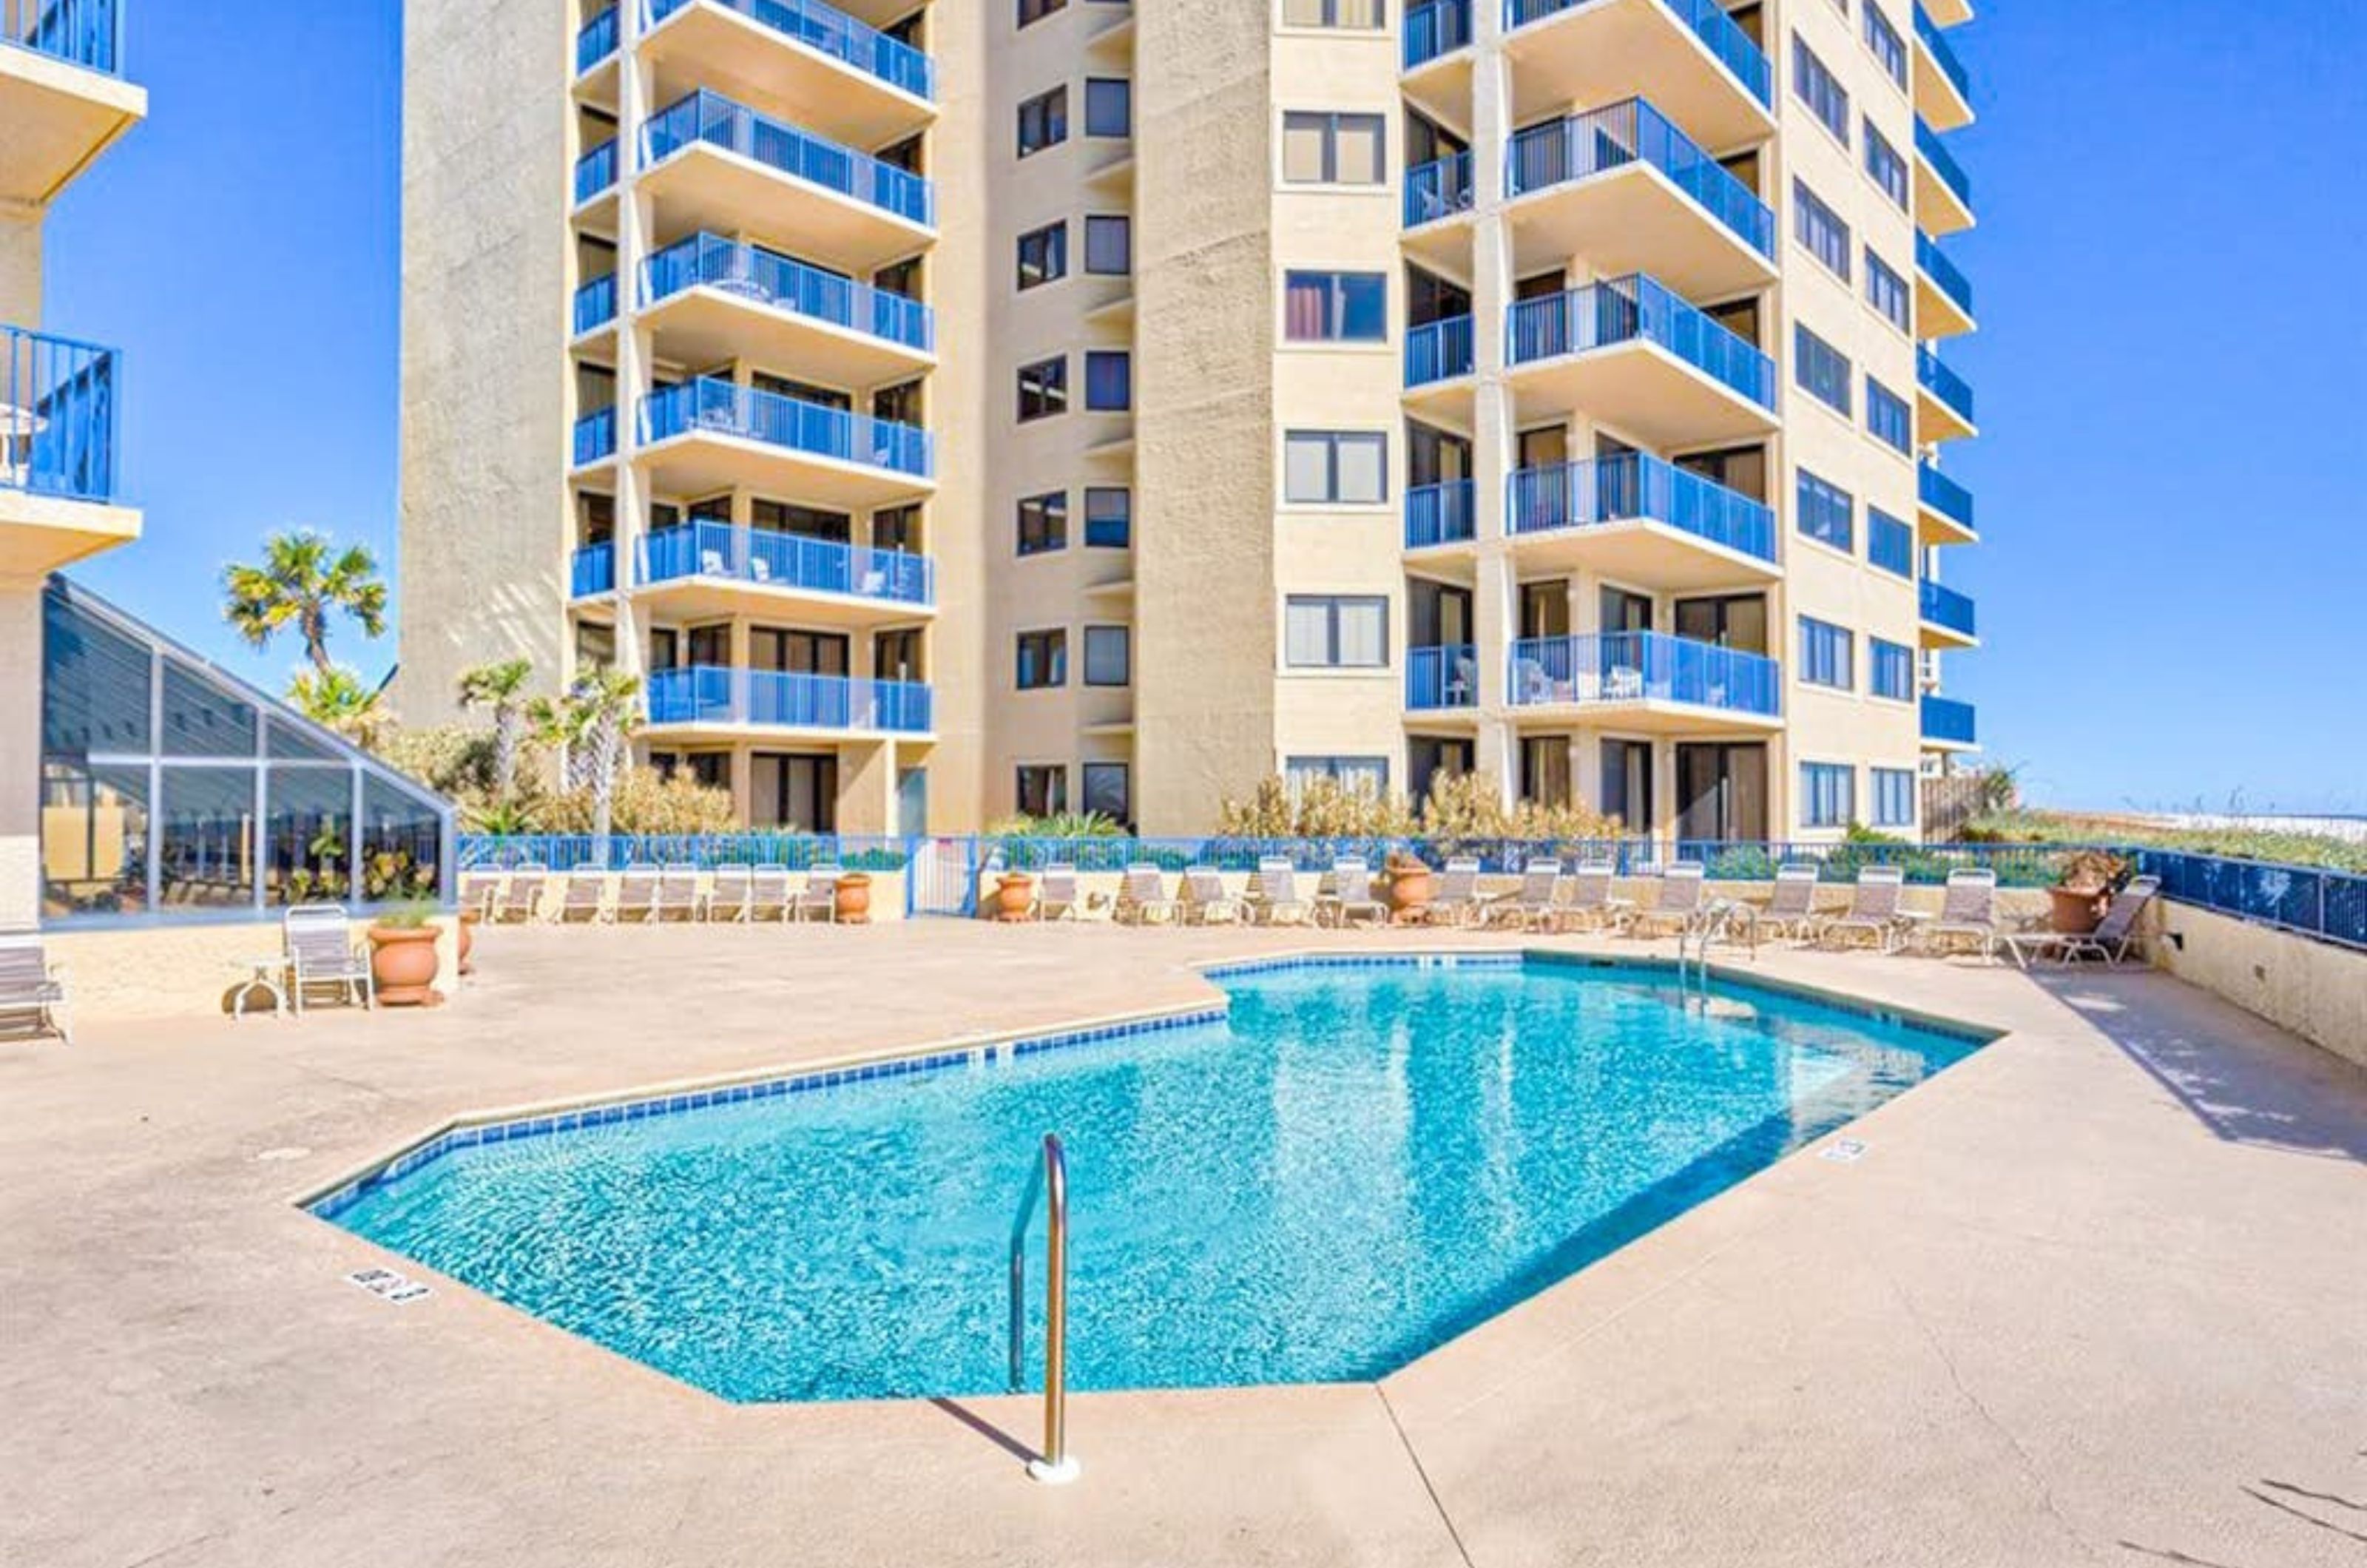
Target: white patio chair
x: 321, y: 952
x: 31, y: 986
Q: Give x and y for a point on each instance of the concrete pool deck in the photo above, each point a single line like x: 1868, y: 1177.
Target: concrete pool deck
x: 2098, y: 1294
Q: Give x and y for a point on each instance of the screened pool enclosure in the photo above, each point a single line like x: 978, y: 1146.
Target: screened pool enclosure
x: 170, y: 789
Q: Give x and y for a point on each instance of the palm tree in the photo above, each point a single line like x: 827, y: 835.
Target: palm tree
x: 304, y: 579
x: 501, y: 686
x: 337, y: 699
x: 590, y: 725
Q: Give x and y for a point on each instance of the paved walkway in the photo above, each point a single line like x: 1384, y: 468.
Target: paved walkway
x: 2098, y: 1295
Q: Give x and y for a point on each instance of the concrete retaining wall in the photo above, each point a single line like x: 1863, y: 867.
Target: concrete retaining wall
x: 2314, y: 988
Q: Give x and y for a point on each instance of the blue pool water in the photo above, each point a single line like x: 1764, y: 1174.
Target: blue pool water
x: 1362, y: 1163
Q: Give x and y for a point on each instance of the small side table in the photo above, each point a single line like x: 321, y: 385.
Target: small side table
x: 267, y: 975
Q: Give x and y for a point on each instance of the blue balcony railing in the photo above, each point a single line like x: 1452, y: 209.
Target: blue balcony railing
x: 1637, y: 666
x: 1439, y: 351
x: 711, y: 119
x: 58, y: 404
x: 1437, y: 189
x: 1709, y: 22
x: 1944, y: 383
x: 88, y: 33
x: 595, y: 172
x: 1943, y: 495
x: 786, y: 560
x: 1945, y: 720
x: 1438, y: 514
x: 1581, y: 146
x: 710, y: 694
x: 1440, y: 27
x: 1944, y: 274
x: 832, y: 32
x: 1636, y: 487
x: 1445, y: 677
x: 595, y: 304
x: 722, y: 407
x: 1638, y: 309
x: 595, y: 436
x: 597, y: 41
x: 709, y: 261
x: 593, y: 570
x: 1944, y: 53
x: 1944, y: 606
x: 1943, y: 162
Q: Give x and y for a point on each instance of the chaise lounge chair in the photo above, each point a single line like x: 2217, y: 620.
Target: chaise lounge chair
x: 1873, y: 911
x: 1203, y: 900
x: 727, y: 899
x: 768, y: 893
x: 1791, y: 911
x: 321, y: 952
x: 1350, y: 894
x: 677, y: 892
x: 1057, y: 897
x: 1967, y: 914
x: 1142, y: 897
x: 522, y: 894
x: 30, y: 985
x: 1592, y: 903
x: 1276, y: 899
x: 586, y: 897
x: 1676, y: 903
x: 636, y: 894
x: 2110, y: 943
x: 818, y: 899
x: 1457, y: 901
x: 481, y: 891
x: 1532, y: 903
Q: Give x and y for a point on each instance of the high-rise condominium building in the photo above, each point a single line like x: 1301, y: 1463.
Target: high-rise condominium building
x: 1065, y: 405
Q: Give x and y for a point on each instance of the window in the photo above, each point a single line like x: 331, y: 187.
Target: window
x: 1109, y: 245
x: 1887, y: 46
x: 1817, y: 87
x: 1043, y: 389
x: 1109, y: 791
x: 1362, y: 15
x: 1342, y: 466
x: 1037, y: 10
x: 1109, y: 656
x: 1885, y: 290
x: 896, y: 528
x: 1828, y: 794
x: 1043, y: 789
x: 1820, y: 228
x: 1109, y: 517
x: 1043, y: 523
x: 1886, y: 416
x: 1109, y: 380
x: 1888, y: 169
x: 1893, y: 798
x: 1042, y: 660
x: 1336, y: 307
x: 1827, y: 655
x: 1894, y: 670
x: 1335, y: 631
x: 1825, y: 511
x: 1044, y: 122
x: 1043, y: 254
x: 1109, y: 106
x: 1366, y: 775
x: 1332, y: 148
x: 1889, y: 543
x: 1822, y: 370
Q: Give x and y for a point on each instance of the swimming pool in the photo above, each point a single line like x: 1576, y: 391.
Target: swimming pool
x: 1359, y: 1161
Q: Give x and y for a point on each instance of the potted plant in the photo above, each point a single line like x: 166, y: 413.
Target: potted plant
x: 469, y: 918
x: 2083, y: 889
x: 1014, y: 895
x: 855, y: 897
x: 1410, y: 887
x: 402, y: 956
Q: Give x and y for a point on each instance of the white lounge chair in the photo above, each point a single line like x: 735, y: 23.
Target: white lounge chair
x: 33, y: 986
x: 1057, y: 897
x: 1277, y: 900
x: 1201, y: 899
x: 1142, y: 897
x: 1676, y: 903
x: 818, y: 899
x: 522, y: 894
x: 1592, y: 903
x: 768, y: 893
x: 479, y: 890
x: 1791, y: 910
x: 677, y: 892
x: 1456, y: 901
x: 321, y: 952
x: 586, y: 897
x: 1351, y: 894
x: 727, y: 897
x: 1967, y: 914
x: 1873, y: 911
x: 2110, y: 943
x: 1532, y: 904
x: 636, y: 894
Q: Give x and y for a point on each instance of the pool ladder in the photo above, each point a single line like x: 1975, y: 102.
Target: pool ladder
x: 1717, y: 922
x: 1049, y: 1178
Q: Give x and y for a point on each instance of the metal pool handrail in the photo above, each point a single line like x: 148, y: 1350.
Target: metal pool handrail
x: 1050, y: 1178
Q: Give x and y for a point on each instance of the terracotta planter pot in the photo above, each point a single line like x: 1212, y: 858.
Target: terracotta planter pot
x: 1014, y: 892
x: 1411, y: 888
x: 855, y: 899
x: 2075, y: 911
x: 469, y: 918
x: 403, y: 965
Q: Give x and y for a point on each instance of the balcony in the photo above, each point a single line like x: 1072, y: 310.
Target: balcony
x: 593, y: 571
x: 1438, y: 190
x: 1648, y: 681
x: 1637, y: 519
x: 1947, y: 618
x: 596, y: 43
x: 1944, y: 89
x: 61, y: 102
x: 1438, y: 27
x: 1438, y: 515
x: 1944, y: 192
x: 595, y: 436
x: 595, y: 305
x: 710, y: 300
x: 1702, y: 68
x: 1439, y: 351
x: 1627, y: 190
x: 726, y: 566
x: 1634, y: 354
x: 712, y: 697
x: 1443, y: 678
x: 711, y: 163
x: 807, y: 61
x: 711, y: 434
x: 1944, y: 507
x: 58, y: 480
x: 1944, y: 295
x: 1943, y: 403
x: 1948, y: 725
x: 595, y: 172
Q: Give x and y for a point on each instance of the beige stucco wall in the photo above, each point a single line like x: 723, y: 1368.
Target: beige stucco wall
x: 20, y: 751
x: 2313, y: 989
x: 20, y: 267
x: 182, y: 970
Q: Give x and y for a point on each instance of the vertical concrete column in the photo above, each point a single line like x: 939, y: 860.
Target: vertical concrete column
x: 636, y: 220
x: 20, y: 263
x: 1495, y: 612
x: 20, y: 744
x: 867, y: 786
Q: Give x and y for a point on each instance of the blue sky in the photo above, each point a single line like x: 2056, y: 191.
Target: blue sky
x: 2173, y: 583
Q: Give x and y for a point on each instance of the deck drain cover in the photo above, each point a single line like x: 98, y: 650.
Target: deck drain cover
x: 389, y: 1286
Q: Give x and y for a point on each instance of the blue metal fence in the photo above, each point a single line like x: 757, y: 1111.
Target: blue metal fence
x: 57, y: 415
x: 1943, y: 162
x: 715, y: 120
x: 832, y: 32
x: 1437, y: 189
x: 1639, y: 309
x: 597, y: 41
x: 1636, y: 486
x: 706, y: 693
x: 786, y: 560
x: 1944, y: 274
x: 1708, y: 20
x: 1942, y: 494
x: 1443, y: 677
x: 725, y: 408
x: 1944, y: 606
x: 88, y: 33
x: 593, y: 570
x: 595, y: 304
x: 2328, y: 904
x: 1438, y: 514
x: 595, y: 436
x: 1439, y: 26
x: 595, y: 171
x: 1438, y: 352
x: 1635, y: 667
x: 1580, y: 146
x: 713, y: 262
x: 1949, y: 721
x: 1942, y: 383
x: 1944, y: 53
